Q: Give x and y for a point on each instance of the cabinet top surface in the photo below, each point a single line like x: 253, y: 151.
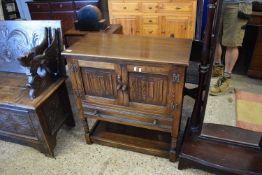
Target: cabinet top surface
x: 132, y: 48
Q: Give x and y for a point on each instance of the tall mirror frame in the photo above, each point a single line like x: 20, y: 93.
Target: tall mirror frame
x: 216, y: 150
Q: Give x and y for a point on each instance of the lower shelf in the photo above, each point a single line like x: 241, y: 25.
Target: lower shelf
x: 132, y: 138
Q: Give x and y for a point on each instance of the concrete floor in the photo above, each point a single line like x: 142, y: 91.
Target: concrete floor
x: 222, y: 109
x: 74, y: 156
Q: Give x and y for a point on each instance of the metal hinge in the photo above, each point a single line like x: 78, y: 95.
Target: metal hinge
x: 73, y: 67
x: 78, y: 93
x: 176, y: 78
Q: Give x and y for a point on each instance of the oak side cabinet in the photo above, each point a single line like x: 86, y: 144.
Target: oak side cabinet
x: 133, y: 87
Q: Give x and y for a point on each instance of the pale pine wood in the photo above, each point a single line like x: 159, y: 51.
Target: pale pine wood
x: 153, y: 17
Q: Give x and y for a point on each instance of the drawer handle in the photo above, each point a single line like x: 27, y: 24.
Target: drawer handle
x: 150, y: 20
x: 124, y: 8
x: 155, y: 122
x: 61, y: 5
x: 150, y: 8
x: 38, y: 6
x: 178, y: 8
x: 150, y: 32
x: 95, y: 112
x: 139, y: 69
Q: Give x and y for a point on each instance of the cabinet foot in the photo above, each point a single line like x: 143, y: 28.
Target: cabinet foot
x: 172, y: 156
x: 88, y: 139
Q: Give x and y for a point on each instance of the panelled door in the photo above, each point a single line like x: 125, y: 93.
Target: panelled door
x: 150, y: 89
x: 140, y: 88
x: 97, y: 81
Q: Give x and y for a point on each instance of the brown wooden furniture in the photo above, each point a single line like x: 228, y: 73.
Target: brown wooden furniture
x: 72, y: 36
x: 255, y: 67
x: 217, y: 148
x: 64, y: 10
x: 133, y: 86
x: 174, y: 18
x: 34, y: 102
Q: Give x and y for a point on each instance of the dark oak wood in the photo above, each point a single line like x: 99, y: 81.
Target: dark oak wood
x: 216, y: 148
x: 130, y: 82
x: 34, y: 102
x: 72, y: 36
x: 220, y: 158
x: 255, y: 67
x: 146, y: 49
x: 132, y: 138
x: 63, y: 10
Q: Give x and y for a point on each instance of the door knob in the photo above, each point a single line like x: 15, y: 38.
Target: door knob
x: 119, y: 86
x: 124, y: 87
x: 155, y: 122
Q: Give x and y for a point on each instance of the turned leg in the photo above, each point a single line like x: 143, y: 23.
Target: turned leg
x: 172, y: 152
x: 86, y: 129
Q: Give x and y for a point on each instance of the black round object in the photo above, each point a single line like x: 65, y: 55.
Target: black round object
x: 88, y: 18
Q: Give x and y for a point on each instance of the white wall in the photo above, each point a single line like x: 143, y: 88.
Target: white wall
x: 1, y: 12
x: 23, y: 9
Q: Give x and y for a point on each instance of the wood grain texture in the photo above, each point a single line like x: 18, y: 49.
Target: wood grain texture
x: 32, y: 122
x: 136, y: 48
x: 144, y: 92
x: 175, y: 18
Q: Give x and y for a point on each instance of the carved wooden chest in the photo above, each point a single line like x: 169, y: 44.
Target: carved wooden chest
x: 133, y: 87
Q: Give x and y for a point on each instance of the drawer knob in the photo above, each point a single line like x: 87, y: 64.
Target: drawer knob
x: 149, y: 8
x: 61, y: 5
x: 124, y: 8
x: 124, y: 87
x: 95, y: 112
x: 178, y: 8
x: 150, y: 32
x: 150, y: 20
x: 38, y: 6
x: 155, y: 122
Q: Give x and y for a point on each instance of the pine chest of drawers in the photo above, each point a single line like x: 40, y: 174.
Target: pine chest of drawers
x: 133, y: 87
x: 175, y: 18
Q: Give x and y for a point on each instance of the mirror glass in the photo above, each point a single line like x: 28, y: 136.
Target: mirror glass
x: 234, y: 106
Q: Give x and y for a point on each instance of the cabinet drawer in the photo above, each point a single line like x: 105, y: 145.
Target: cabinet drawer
x: 176, y: 7
x: 39, y: 7
x: 125, y: 7
x: 150, y: 30
x: 148, y: 69
x: 127, y: 117
x: 80, y: 4
x: 150, y: 7
x: 61, y: 6
x: 40, y: 15
x: 150, y: 20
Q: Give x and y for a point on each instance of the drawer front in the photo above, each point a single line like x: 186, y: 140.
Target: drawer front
x: 125, y: 7
x: 80, y: 4
x: 40, y: 16
x: 150, y: 7
x: 128, y: 117
x: 16, y: 123
x: 150, y: 30
x: 150, y: 20
x: 62, y: 6
x: 176, y: 7
x: 39, y: 7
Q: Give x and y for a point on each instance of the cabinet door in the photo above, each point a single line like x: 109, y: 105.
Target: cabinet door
x: 131, y: 24
x: 97, y: 82
x: 151, y: 89
x: 176, y: 26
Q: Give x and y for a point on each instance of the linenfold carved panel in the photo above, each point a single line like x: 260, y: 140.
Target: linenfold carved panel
x: 99, y: 82
x: 148, y: 88
x: 16, y: 40
x: 16, y: 122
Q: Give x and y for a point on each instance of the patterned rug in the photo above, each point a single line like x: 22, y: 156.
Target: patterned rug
x: 249, y: 110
